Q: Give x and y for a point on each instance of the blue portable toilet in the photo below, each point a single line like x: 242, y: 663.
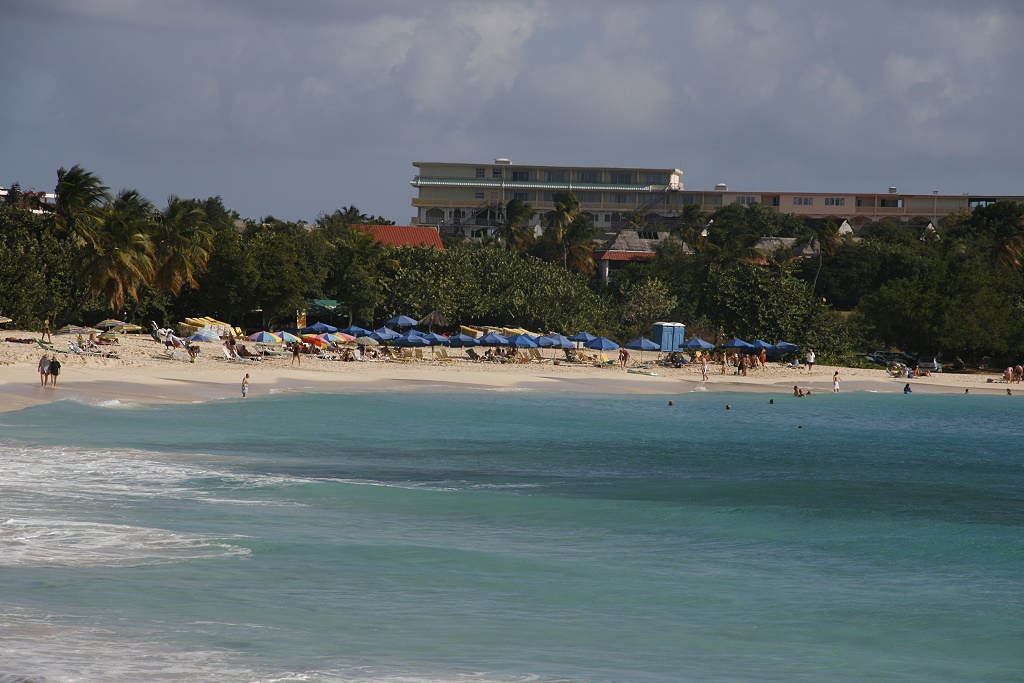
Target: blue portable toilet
x: 669, y: 336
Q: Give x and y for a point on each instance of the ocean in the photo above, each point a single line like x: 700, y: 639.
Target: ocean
x: 500, y: 536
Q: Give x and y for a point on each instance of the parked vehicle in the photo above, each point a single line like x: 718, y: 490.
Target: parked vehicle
x: 929, y: 363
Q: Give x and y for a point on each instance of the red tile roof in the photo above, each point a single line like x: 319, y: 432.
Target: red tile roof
x: 404, y: 235
x: 624, y: 255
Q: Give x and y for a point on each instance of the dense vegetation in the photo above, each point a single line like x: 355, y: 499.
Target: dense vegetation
x: 957, y: 289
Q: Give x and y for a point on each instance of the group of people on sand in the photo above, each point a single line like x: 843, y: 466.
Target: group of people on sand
x: 1014, y: 375
x: 49, y: 370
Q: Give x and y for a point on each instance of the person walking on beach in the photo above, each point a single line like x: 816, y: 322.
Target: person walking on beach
x: 46, y: 332
x: 295, y: 354
x: 704, y: 369
x: 44, y: 370
x: 623, y: 358
x: 810, y: 360
x: 54, y: 370
x: 835, y: 382
x: 245, y: 385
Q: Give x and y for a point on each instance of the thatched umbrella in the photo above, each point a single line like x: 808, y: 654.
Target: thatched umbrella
x: 434, y: 318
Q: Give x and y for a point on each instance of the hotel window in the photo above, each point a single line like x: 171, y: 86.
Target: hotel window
x: 521, y: 196
x: 746, y: 199
x: 622, y: 198
x: 656, y: 179
x: 803, y: 201
x: 555, y: 176
x: 588, y: 176
x: 479, y: 173
x: 835, y: 201
x: 550, y: 196
x: 589, y: 197
x: 689, y: 199
x: 520, y: 175
x: 479, y: 194
x: 496, y: 173
x: 620, y: 178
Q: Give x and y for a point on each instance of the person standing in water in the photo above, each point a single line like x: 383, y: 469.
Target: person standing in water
x: 54, y: 370
x: 245, y: 385
x: 835, y: 382
x: 44, y: 370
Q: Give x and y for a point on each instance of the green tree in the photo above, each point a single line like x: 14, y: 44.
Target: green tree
x: 82, y: 202
x: 183, y: 243
x: 558, y: 220
x: 515, y: 231
x: 119, y: 260
x: 644, y: 302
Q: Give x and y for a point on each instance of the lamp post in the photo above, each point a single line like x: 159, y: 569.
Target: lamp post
x: 935, y: 208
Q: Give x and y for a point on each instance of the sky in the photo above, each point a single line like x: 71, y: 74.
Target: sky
x: 296, y: 108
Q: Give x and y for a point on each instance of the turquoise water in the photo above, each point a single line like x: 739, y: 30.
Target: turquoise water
x: 502, y: 536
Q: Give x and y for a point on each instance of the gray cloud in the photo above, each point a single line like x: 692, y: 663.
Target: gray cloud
x: 292, y: 109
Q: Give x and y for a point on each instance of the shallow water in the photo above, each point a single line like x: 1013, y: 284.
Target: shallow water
x: 439, y: 535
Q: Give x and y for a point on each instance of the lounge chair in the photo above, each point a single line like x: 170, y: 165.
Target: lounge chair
x: 441, y: 356
x: 537, y: 358
x: 393, y: 355
x: 473, y: 355
x: 603, y: 359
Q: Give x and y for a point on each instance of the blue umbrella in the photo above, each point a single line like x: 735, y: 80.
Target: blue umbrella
x: 582, y: 337
x: 523, y: 340
x: 554, y: 340
x: 463, y: 340
x: 601, y: 344
x: 698, y: 343
x: 760, y: 344
x: 435, y: 338
x: 204, y: 335
x: 736, y: 344
x: 356, y: 331
x: 781, y: 348
x: 643, y: 344
x: 385, y: 334
x: 401, y: 321
x: 411, y: 340
x: 493, y: 339
x: 318, y: 328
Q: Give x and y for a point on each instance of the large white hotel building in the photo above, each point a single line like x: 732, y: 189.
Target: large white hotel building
x: 469, y: 199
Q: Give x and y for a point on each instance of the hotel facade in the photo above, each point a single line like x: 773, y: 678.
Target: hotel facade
x: 468, y: 199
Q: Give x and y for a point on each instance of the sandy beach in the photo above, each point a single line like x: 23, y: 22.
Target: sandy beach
x: 144, y: 373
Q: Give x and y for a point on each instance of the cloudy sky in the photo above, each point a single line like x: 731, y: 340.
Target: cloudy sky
x: 297, y: 107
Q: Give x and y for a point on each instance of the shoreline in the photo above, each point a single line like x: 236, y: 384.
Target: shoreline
x: 144, y: 374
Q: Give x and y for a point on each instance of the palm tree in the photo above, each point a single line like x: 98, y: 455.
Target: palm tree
x: 579, y: 246
x: 81, y: 201
x: 515, y: 231
x: 826, y: 235
x: 183, y: 244
x: 120, y: 262
x: 558, y: 220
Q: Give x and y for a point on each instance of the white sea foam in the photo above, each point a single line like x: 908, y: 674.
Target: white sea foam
x: 62, y: 543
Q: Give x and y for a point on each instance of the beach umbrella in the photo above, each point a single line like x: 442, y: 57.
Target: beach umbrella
x: 355, y: 331
x: 736, y: 344
x: 642, y: 345
x: 263, y: 338
x: 108, y: 323
x: 367, y: 341
x: 601, y: 344
x: 286, y: 336
x: 203, y: 334
x: 697, y: 343
x: 435, y: 339
x: 554, y: 340
x: 335, y: 338
x: 410, y: 340
x: 493, y: 339
x: 125, y: 328
x: 460, y: 340
x: 525, y: 341
x: 314, y: 339
x: 76, y: 329
x: 434, y: 318
x: 5, y: 319
x: 582, y: 337
x: 401, y: 321
x: 761, y: 344
x: 385, y: 334
x: 318, y: 328
x: 781, y: 348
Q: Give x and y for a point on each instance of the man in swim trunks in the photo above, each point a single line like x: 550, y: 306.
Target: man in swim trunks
x: 245, y: 385
x: 54, y: 370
